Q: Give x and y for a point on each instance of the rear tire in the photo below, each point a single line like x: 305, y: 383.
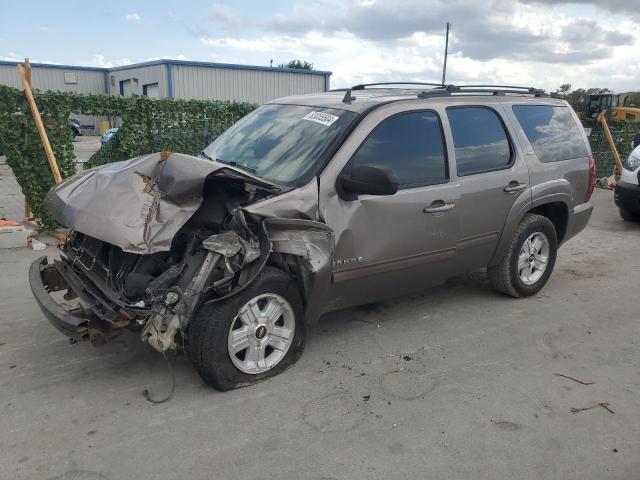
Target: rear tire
x: 529, y: 260
x: 240, y: 317
x: 629, y: 216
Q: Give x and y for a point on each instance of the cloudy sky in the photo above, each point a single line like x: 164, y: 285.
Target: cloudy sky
x: 542, y: 43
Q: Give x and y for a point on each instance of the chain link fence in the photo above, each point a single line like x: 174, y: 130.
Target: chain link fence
x: 623, y: 134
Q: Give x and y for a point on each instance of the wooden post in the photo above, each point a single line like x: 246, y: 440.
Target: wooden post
x: 607, y: 133
x: 39, y: 125
x: 27, y: 71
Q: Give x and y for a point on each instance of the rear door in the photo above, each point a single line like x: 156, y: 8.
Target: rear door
x: 492, y: 174
x: 390, y: 245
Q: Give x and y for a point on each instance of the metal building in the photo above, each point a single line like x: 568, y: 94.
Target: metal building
x: 174, y: 79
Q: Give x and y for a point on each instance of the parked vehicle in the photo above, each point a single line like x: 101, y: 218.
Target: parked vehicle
x: 311, y: 204
x: 108, y: 135
x: 76, y: 128
x: 627, y: 191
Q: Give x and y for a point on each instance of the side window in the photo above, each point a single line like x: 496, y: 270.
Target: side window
x: 411, y: 144
x: 552, y: 132
x: 479, y: 138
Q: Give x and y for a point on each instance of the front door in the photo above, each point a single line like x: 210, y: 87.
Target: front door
x: 491, y: 174
x: 396, y: 244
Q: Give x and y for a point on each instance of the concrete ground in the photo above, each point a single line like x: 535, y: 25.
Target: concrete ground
x: 458, y: 382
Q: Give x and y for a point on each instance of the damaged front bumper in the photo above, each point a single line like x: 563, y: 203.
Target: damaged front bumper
x: 45, y: 278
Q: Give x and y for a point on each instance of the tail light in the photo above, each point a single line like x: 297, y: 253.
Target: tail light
x: 592, y: 177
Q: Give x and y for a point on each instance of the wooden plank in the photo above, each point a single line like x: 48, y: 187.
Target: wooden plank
x: 607, y: 133
x: 27, y: 70
x: 39, y: 125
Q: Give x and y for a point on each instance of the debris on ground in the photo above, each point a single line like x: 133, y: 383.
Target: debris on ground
x: 37, y: 244
x: 604, y: 405
x: 574, y: 379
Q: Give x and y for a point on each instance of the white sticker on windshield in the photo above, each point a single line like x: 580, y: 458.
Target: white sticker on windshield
x: 321, y: 117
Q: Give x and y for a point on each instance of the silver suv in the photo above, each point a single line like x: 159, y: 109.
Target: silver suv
x: 311, y: 204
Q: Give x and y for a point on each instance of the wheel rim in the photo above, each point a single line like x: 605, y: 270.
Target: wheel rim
x: 533, y: 258
x: 261, y: 333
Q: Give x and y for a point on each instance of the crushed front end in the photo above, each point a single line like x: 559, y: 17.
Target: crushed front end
x: 146, y: 259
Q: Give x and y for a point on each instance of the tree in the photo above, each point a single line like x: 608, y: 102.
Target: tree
x: 578, y: 98
x: 297, y: 64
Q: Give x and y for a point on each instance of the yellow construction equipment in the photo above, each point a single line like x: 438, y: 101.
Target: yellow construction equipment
x: 619, y: 106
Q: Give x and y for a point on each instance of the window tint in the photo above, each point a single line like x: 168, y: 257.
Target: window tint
x: 411, y: 144
x: 552, y: 132
x: 479, y: 139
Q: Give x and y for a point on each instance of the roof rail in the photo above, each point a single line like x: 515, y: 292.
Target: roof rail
x: 486, y: 89
x: 348, y: 98
x: 362, y: 86
x: 441, y: 90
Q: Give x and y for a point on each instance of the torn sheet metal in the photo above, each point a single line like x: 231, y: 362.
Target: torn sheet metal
x: 313, y: 243
x: 138, y: 204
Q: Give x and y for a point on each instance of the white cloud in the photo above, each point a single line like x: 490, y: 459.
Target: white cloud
x: 133, y: 18
x: 11, y: 57
x: 528, y: 42
x: 101, y: 61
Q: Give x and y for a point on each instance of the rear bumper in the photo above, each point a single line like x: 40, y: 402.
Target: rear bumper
x: 627, y: 196
x: 43, y: 279
x: 578, y: 220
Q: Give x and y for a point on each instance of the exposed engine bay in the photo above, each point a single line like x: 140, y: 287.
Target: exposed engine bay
x: 218, y: 249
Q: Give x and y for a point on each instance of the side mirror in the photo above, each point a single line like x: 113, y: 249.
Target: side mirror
x: 369, y: 180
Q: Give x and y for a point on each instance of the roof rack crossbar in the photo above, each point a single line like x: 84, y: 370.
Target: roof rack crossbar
x: 362, y: 86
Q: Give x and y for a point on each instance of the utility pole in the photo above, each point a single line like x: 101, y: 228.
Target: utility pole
x: 446, y: 52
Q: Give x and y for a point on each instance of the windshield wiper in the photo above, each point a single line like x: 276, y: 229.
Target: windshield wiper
x: 237, y: 165
x: 205, y: 155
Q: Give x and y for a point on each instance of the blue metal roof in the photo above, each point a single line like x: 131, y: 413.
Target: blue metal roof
x: 176, y: 62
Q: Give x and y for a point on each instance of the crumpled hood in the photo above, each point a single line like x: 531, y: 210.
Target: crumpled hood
x: 139, y: 204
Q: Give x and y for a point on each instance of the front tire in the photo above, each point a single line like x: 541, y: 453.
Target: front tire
x: 529, y: 260
x: 251, y: 336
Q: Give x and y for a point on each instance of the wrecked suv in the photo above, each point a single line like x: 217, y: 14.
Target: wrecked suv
x: 311, y: 204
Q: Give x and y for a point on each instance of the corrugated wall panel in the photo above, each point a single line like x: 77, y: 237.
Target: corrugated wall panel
x: 151, y: 74
x: 42, y: 78
x: 258, y: 86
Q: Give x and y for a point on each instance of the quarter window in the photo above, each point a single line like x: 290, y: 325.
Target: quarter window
x: 411, y: 144
x: 480, y: 141
x: 552, y: 132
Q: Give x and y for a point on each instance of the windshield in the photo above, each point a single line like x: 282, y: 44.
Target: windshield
x: 281, y: 143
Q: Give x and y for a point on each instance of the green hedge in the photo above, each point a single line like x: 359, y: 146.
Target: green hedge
x: 148, y: 125
x: 622, y: 133
x: 185, y: 126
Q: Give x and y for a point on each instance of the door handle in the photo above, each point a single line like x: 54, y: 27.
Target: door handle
x: 515, y: 186
x: 438, y: 207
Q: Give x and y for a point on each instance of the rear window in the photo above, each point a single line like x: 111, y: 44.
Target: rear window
x: 480, y: 141
x: 552, y: 132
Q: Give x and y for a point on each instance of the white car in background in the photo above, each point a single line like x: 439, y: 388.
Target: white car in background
x: 627, y: 192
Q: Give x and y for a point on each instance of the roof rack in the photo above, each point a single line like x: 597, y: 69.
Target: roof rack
x: 348, y: 98
x: 441, y: 90
x: 447, y: 90
x: 362, y: 86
